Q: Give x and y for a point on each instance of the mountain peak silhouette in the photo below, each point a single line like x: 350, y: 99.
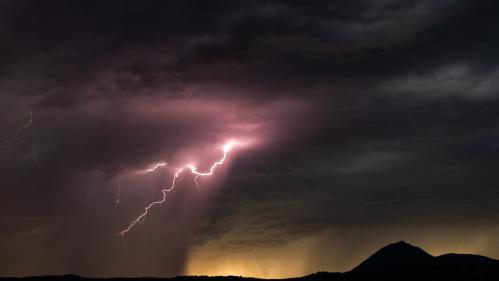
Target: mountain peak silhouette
x: 396, y: 256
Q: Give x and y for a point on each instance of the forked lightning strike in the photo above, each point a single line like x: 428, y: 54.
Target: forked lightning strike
x: 226, y: 149
x: 143, y: 215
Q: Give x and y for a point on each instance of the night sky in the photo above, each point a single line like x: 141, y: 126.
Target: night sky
x: 364, y: 123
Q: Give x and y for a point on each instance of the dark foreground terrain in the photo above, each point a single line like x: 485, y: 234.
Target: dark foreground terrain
x: 398, y: 261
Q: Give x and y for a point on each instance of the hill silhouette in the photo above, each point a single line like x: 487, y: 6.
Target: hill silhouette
x: 397, y: 256
x: 397, y: 261
x: 403, y: 261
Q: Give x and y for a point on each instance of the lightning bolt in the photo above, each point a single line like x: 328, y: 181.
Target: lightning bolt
x: 26, y: 125
x: 226, y: 148
x: 119, y: 194
x: 143, y: 215
x: 154, y: 167
x: 190, y: 167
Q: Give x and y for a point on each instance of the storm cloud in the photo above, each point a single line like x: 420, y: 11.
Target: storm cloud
x: 368, y: 117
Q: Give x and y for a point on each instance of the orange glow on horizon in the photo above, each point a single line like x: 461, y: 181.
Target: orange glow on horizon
x: 332, y: 250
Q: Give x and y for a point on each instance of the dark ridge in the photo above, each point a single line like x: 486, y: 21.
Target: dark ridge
x: 464, y: 259
x: 469, y: 266
x: 398, y: 261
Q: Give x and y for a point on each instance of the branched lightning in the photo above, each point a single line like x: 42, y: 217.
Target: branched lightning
x: 193, y: 169
x: 226, y: 148
x: 143, y: 215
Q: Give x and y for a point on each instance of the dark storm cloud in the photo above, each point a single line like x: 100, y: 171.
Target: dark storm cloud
x: 373, y: 112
